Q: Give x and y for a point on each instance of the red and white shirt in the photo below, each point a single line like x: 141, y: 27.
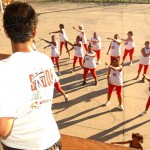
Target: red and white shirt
x: 145, y: 60
x: 96, y: 46
x: 90, y: 61
x: 27, y: 87
x: 54, y: 50
x: 130, y: 45
x: 115, y: 49
x: 83, y: 36
x: 78, y: 51
x: 116, y: 77
x: 63, y: 36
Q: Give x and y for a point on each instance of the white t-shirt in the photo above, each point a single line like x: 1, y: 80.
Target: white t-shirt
x: 115, y: 49
x: 27, y: 86
x: 54, y: 50
x: 90, y: 62
x: 130, y: 45
x: 116, y: 77
x: 63, y: 36
x: 145, y: 60
x: 96, y: 46
x: 83, y: 36
x: 78, y: 51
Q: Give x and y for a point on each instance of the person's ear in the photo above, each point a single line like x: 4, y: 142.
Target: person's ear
x: 35, y: 30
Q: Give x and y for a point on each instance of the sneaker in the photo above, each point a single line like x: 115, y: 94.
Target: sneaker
x: 107, y: 103
x: 59, y: 73
x: 131, y: 63
x: 95, y: 82
x: 106, y: 66
x: 66, y: 98
x: 84, y: 83
x: 98, y: 62
x: 121, y: 107
x: 143, y: 113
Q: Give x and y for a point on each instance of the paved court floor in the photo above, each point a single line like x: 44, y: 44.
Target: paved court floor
x: 85, y: 115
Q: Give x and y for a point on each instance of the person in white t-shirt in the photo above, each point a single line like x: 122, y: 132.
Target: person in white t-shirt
x: 144, y: 59
x: 129, y: 46
x: 63, y: 38
x: 54, y: 51
x: 27, y: 85
x: 96, y: 43
x: 89, y: 64
x: 114, y: 48
x: 78, y: 52
x: 82, y: 35
x: 115, y: 80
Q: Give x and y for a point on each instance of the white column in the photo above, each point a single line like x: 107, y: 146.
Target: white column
x: 1, y: 6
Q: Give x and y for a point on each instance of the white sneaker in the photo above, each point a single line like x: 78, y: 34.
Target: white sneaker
x: 131, y: 63
x: 143, y: 113
x: 121, y: 107
x: 98, y: 62
x: 59, y: 73
x: 106, y: 66
x: 107, y: 103
x: 66, y: 98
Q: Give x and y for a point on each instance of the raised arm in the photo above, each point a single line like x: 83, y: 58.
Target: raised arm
x: 78, y: 30
x: 126, y: 40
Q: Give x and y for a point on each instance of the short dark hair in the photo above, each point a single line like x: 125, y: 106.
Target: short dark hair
x: 20, y: 21
x: 130, y: 32
x: 61, y: 25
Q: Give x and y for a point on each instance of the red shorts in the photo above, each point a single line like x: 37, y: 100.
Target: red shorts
x: 118, y: 89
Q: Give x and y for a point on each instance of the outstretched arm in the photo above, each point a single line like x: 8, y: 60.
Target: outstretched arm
x: 125, y: 142
x: 78, y: 30
x: 47, y: 46
x: 55, y: 31
x: 118, y: 41
x: 46, y: 41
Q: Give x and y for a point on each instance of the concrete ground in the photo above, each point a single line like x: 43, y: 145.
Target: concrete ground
x: 85, y: 115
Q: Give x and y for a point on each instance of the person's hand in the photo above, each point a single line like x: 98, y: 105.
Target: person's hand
x: 44, y: 47
x: 50, y: 33
x: 107, y: 53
